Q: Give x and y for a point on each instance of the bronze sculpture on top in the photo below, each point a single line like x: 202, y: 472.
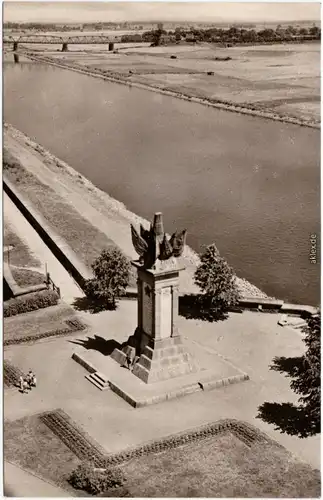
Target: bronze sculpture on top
x: 156, y: 347
x: 153, y: 245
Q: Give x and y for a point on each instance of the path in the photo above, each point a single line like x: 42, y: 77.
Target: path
x: 62, y: 279
x: 20, y: 483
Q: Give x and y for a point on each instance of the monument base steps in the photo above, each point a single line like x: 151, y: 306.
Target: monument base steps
x: 99, y: 380
x: 137, y: 393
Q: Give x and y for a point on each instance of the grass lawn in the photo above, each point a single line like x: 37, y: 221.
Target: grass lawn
x: 20, y: 254
x: 37, y: 322
x: 221, y: 466
x: 86, y: 240
x: 29, y: 443
x: 27, y: 277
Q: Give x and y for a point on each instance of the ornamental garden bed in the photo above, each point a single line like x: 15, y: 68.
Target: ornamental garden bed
x: 27, y: 277
x: 225, y: 459
x: 11, y: 374
x: 55, y: 320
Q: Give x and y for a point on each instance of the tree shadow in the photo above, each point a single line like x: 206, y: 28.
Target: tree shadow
x: 290, y: 367
x: 97, y: 343
x: 93, y: 306
x: 193, y: 306
x: 288, y: 418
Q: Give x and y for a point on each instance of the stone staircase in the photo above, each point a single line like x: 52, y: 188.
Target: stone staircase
x: 99, y: 380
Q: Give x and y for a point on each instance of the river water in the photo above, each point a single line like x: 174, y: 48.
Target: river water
x: 248, y: 184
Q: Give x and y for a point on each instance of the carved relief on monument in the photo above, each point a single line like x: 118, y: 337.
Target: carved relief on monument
x: 147, y: 308
x: 166, y: 313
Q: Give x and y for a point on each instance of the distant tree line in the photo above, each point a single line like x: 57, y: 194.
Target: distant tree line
x: 233, y: 35
x: 242, y: 35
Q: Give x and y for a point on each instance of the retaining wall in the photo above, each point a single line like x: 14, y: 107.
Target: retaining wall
x: 59, y: 247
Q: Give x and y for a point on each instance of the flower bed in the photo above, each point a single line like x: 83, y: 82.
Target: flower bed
x: 11, y: 374
x: 77, y: 440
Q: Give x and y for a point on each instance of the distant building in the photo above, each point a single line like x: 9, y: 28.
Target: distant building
x: 160, y: 26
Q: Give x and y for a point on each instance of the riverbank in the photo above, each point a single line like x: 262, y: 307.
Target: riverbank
x: 101, y: 211
x: 177, y: 89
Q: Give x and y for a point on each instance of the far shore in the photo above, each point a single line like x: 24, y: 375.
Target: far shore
x: 215, y: 103
x: 86, y: 198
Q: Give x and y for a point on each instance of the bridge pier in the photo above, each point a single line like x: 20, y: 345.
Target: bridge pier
x: 64, y: 47
x: 15, y: 46
x: 111, y: 46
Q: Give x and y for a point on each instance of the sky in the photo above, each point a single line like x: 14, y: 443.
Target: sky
x: 153, y: 11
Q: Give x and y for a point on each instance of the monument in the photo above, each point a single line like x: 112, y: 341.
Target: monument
x: 160, y: 366
x: 155, y: 352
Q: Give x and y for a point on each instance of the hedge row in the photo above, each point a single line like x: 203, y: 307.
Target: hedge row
x: 87, y: 449
x: 30, y: 302
x: 73, y: 326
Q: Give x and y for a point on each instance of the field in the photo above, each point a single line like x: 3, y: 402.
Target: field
x: 284, y: 79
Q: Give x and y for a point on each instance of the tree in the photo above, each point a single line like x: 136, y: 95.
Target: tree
x: 111, y: 277
x: 315, y: 31
x: 303, y: 31
x: 217, y: 281
x: 302, y: 419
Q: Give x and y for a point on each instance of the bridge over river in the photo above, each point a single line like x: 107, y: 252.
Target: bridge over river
x: 61, y: 40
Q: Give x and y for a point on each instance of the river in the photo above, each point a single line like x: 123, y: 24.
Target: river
x: 248, y: 184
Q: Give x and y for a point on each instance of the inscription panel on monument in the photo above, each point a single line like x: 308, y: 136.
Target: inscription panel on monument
x: 166, y: 313
x: 147, y: 309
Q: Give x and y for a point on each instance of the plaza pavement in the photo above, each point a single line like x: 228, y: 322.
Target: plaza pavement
x: 249, y: 340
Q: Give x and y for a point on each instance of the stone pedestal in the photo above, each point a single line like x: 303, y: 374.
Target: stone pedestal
x: 156, y: 351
